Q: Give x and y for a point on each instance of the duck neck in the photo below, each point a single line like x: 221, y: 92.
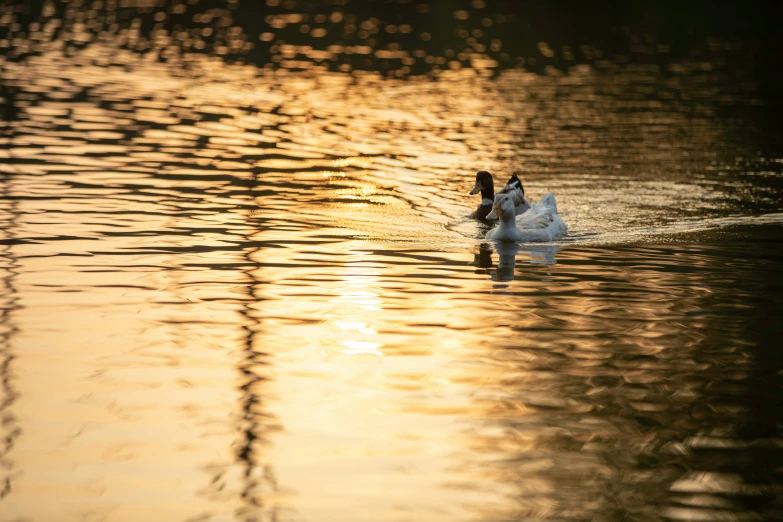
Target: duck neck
x: 488, y: 192
x: 508, y: 221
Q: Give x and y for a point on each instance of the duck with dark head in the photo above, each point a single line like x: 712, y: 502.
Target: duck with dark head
x: 484, y: 185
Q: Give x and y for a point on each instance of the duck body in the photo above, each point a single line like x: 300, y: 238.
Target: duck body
x: 540, y: 223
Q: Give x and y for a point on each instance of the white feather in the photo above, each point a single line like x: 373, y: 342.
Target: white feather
x: 540, y: 223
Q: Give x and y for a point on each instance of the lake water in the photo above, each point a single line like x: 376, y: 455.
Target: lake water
x: 240, y: 283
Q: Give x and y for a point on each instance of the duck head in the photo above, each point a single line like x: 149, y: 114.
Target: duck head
x: 502, y: 205
x: 484, y: 185
x: 513, y: 183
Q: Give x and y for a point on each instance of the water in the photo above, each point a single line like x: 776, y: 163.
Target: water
x: 250, y: 291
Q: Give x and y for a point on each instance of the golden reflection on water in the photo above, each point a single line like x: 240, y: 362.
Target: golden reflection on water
x: 236, y: 294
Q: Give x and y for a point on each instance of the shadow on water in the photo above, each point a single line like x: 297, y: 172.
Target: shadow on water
x: 648, y: 416
x: 9, y: 428
x: 10, y: 303
x: 737, y: 465
x: 259, y: 479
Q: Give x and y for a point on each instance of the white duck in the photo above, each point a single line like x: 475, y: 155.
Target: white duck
x: 517, y: 192
x: 540, y: 223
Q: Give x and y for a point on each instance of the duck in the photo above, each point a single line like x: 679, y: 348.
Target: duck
x: 486, y: 186
x: 517, y: 191
x: 540, y: 223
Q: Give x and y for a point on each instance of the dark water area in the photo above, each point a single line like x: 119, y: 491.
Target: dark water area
x: 238, y: 280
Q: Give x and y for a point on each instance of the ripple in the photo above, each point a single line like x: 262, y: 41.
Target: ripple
x: 264, y: 276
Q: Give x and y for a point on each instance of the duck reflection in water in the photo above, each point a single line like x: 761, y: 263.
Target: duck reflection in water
x: 507, y: 261
x: 507, y: 258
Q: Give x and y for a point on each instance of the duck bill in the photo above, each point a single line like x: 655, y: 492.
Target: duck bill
x: 495, y: 213
x: 478, y: 188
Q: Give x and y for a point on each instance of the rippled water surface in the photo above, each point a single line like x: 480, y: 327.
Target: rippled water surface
x: 250, y: 291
